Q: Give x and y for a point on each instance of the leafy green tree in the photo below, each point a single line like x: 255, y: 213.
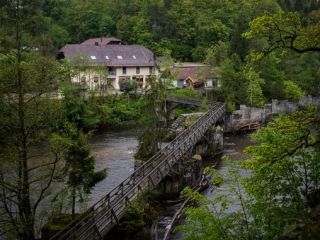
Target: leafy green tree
x: 233, y: 84
x: 217, y: 54
x: 254, y: 91
x: 79, y: 168
x: 150, y: 139
x: 292, y: 91
x: 278, y: 195
x: 287, y: 31
x: 302, y: 69
x: 76, y: 110
x: 29, y: 116
x: 304, y: 7
x: 272, y: 71
x: 285, y: 178
x: 127, y: 85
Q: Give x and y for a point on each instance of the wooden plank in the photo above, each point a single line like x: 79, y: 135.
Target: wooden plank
x: 120, y: 196
x: 114, y: 215
x: 97, y: 232
x: 150, y: 179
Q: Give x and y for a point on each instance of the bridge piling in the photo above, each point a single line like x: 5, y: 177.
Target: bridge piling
x: 163, y: 162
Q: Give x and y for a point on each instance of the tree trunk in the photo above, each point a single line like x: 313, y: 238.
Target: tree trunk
x: 25, y: 211
x: 73, y: 203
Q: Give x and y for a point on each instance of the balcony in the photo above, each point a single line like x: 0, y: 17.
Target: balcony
x: 111, y: 74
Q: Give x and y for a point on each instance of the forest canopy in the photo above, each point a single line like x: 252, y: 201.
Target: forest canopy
x: 258, y: 50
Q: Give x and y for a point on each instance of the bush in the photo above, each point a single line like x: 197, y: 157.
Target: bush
x: 119, y: 112
x: 292, y: 91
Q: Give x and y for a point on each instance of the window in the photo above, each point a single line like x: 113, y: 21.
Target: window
x: 150, y: 70
x: 112, y: 71
x: 96, y: 79
x: 119, y: 57
x: 83, y: 79
x: 137, y: 70
x: 93, y: 57
x: 124, y: 70
x: 134, y: 57
x: 96, y: 43
x: 107, y: 57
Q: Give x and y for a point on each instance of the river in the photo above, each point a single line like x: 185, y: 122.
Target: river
x: 115, y: 150
x: 234, y: 146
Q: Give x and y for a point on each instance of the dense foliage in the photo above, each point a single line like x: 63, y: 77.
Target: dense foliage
x: 221, y: 33
x: 278, y: 198
x: 258, y: 50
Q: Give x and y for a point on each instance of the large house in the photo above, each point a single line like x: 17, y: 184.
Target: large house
x: 104, y: 62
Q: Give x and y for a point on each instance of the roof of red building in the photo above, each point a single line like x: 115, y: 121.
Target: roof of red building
x: 194, y: 71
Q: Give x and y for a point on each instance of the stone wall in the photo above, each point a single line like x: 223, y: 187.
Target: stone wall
x: 246, y: 116
x: 284, y: 106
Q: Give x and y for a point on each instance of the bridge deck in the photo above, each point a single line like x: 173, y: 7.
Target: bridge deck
x: 184, y: 100
x: 97, y: 221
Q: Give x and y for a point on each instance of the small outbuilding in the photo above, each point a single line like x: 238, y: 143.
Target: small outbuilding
x: 195, y: 76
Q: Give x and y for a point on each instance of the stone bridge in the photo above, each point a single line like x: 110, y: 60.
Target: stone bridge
x: 99, y: 219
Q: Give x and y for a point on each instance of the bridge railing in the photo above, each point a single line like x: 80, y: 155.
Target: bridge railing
x: 184, y: 100
x: 103, y: 215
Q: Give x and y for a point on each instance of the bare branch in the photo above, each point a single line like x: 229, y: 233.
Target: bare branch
x: 42, y: 165
x: 43, y: 190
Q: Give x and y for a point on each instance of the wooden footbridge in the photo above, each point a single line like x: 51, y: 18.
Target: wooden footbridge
x: 184, y: 101
x: 98, y: 220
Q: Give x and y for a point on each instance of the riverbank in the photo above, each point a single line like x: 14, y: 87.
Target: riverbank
x: 234, y: 145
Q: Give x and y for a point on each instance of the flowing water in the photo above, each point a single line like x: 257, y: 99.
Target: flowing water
x: 233, y: 148
x: 114, y: 151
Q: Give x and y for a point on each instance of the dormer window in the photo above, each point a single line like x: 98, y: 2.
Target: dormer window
x: 119, y: 57
x: 93, y: 57
x: 107, y: 57
x: 134, y: 57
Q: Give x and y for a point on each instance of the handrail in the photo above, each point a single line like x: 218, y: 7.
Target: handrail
x: 184, y: 100
x: 113, y: 202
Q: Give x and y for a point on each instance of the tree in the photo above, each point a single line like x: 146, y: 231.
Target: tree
x: 156, y: 93
x: 79, y: 167
x: 286, y: 177
x: 232, y: 81
x: 292, y: 91
x: 279, y: 193
x: 29, y: 116
x: 303, y: 7
x: 271, y: 69
x: 76, y: 110
x: 127, y: 85
x: 254, y: 91
x: 286, y: 31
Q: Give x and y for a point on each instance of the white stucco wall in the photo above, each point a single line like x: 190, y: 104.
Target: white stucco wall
x: 89, y: 77
x: 102, y: 77
x: 131, y: 72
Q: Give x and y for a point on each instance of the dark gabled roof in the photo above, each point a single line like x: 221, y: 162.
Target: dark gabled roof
x: 102, y: 41
x: 194, y: 71
x: 130, y: 55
